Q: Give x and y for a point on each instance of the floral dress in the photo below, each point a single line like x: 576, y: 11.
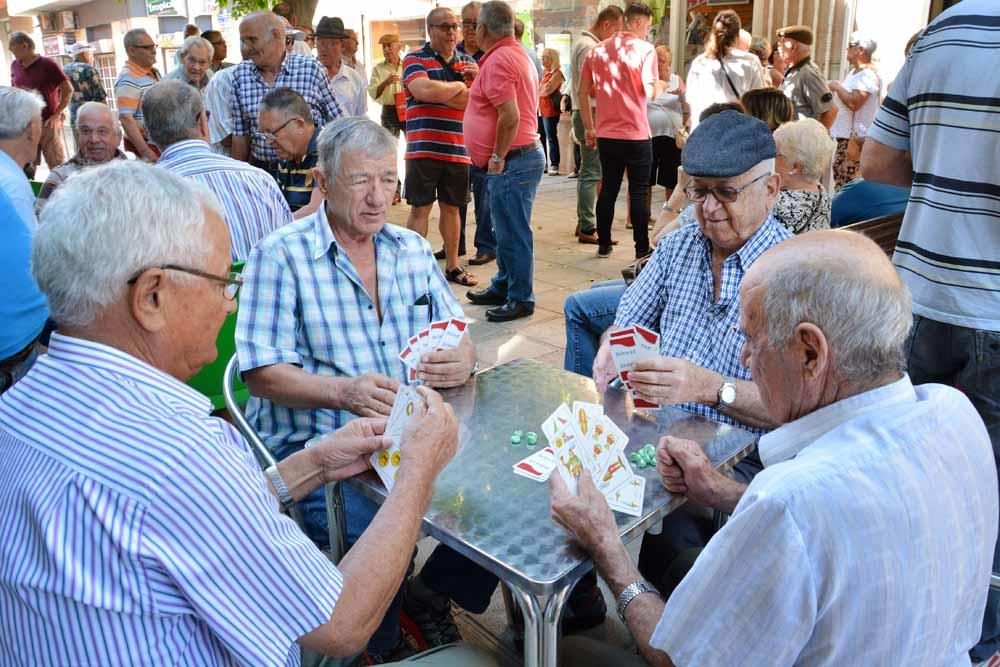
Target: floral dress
x: 800, y: 211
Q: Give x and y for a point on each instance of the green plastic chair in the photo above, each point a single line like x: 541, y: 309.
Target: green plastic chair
x: 36, y: 187
x: 209, y: 380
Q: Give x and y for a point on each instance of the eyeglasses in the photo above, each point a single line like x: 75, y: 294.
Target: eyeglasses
x: 447, y: 27
x: 722, y: 194
x: 469, y: 24
x: 271, y: 136
x: 145, y: 47
x: 233, y: 281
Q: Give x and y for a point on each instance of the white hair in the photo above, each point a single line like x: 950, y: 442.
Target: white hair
x: 197, y: 42
x: 351, y: 134
x: 865, y: 322
x: 20, y: 107
x: 107, y: 224
x: 807, y: 143
x: 498, y: 17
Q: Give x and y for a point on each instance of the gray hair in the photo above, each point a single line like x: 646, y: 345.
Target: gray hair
x: 21, y: 38
x: 20, y: 107
x: 106, y: 224
x: 287, y: 103
x: 498, y: 18
x: 808, y: 143
x: 475, y: 4
x: 865, y: 322
x: 351, y: 134
x: 170, y: 110
x: 131, y: 38
x: 196, y: 41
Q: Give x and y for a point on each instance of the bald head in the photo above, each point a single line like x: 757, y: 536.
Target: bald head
x: 97, y: 131
x: 262, y: 39
x: 96, y: 113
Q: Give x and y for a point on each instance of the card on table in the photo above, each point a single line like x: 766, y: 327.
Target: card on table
x: 538, y: 466
x: 628, y: 498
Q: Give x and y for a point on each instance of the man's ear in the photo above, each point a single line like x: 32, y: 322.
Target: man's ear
x: 147, y: 299
x: 321, y: 181
x: 811, y: 350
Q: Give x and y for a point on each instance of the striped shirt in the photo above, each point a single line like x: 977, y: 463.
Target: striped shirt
x: 303, y: 75
x: 252, y: 201
x: 131, y: 84
x: 296, y: 178
x: 433, y: 131
x: 673, y: 296
x: 941, y: 110
x: 303, y: 303
x: 867, y: 540
x: 219, y: 104
x: 138, y: 529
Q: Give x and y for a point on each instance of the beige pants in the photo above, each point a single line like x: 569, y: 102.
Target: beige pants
x: 51, y: 145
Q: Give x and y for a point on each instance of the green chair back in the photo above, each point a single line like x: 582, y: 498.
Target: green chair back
x: 36, y: 187
x: 209, y: 380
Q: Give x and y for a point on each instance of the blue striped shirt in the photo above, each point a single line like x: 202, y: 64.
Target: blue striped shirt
x: 867, y: 540
x: 303, y: 303
x: 673, y: 296
x: 138, y: 530
x: 251, y: 198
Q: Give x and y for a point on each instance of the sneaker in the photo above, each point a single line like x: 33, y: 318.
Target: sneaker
x: 431, y: 612
x: 553, y: 171
x: 604, y: 251
x: 573, y: 174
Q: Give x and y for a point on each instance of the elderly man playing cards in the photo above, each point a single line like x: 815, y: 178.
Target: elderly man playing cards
x: 867, y: 539
x: 330, y: 304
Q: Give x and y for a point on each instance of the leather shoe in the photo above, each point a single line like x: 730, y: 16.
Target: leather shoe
x: 511, y: 310
x: 479, y: 260
x: 485, y: 297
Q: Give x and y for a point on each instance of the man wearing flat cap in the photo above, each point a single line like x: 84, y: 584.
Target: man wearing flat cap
x: 347, y: 85
x: 804, y: 83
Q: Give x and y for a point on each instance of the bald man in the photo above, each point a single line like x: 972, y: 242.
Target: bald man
x: 868, y: 538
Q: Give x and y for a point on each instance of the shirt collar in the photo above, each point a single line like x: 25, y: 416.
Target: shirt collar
x: 136, y: 70
x: 754, y: 246
x: 187, y: 146
x: 509, y: 40
x: 799, y: 65
x: 787, y: 441
x: 79, y: 160
x: 78, y: 351
x: 323, y: 238
x: 587, y: 33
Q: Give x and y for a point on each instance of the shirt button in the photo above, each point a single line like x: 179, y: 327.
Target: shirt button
x: 370, y: 307
x: 382, y: 343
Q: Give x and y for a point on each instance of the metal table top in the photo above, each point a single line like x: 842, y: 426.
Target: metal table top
x: 501, y: 520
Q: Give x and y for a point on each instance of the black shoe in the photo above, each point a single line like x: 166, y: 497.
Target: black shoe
x: 639, y: 254
x: 485, y: 297
x: 439, y: 254
x: 479, y: 260
x: 511, y: 310
x: 604, y: 251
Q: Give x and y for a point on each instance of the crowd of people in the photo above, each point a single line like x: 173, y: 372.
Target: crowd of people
x: 140, y: 529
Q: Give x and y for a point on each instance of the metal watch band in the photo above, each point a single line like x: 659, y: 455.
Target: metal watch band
x: 284, y: 496
x: 631, y: 592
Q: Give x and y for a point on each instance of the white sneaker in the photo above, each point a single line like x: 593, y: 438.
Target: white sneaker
x: 553, y: 171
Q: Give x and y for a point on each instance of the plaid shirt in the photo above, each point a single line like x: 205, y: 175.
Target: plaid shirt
x: 673, y: 295
x: 303, y: 303
x: 303, y: 75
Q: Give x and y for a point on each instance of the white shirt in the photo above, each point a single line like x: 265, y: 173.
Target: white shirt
x: 219, y: 102
x: 867, y: 540
x: 350, y: 90
x: 868, y: 81
x: 707, y: 84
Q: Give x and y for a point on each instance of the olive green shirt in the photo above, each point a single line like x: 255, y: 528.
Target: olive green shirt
x: 806, y: 88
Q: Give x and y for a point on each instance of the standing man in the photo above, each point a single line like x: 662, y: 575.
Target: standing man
x: 803, y: 83
x: 266, y: 66
x: 196, y: 63
x: 347, y: 85
x: 950, y: 238
x: 385, y: 84
x: 622, y: 73
x: 30, y: 71
x: 137, y: 75
x: 351, y: 53
x: 84, y: 78
x: 437, y: 163
x: 608, y: 22
x: 502, y: 131
x: 219, y: 49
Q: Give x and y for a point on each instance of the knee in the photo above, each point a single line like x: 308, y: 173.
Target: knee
x: 573, y: 308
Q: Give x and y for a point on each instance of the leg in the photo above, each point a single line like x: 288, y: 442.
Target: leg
x: 543, y: 137
x: 638, y: 164
x: 588, y: 314
x: 486, y: 243
x: 552, y: 134
x: 462, y: 213
x: 576, y: 156
x: 451, y: 574
x: 419, y: 216
x: 512, y: 197
x: 449, y: 226
x: 421, y: 191
x: 613, y: 170
x: 51, y: 145
x: 587, y: 652
x: 589, y: 175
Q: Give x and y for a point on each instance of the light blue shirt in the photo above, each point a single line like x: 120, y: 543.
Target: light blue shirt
x: 15, y: 185
x: 866, y: 540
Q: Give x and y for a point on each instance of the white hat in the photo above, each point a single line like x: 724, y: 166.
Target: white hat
x: 79, y: 47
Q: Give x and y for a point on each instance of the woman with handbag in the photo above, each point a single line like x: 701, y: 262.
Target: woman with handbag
x: 857, y: 100
x: 549, y: 97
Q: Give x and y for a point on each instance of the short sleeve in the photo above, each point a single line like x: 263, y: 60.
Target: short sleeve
x: 817, y: 93
x: 892, y: 122
x: 56, y: 72
x: 267, y: 317
x: 127, y: 96
x: 650, y: 68
x: 413, y: 70
x: 500, y: 85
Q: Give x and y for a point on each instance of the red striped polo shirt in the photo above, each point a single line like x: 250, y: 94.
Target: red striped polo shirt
x: 433, y: 131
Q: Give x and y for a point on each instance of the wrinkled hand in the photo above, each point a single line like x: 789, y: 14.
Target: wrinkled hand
x: 345, y: 452
x: 392, y: 78
x: 667, y: 380
x: 685, y: 470
x: 448, y: 368
x: 604, y: 370
x: 586, y: 515
x: 369, y: 395
x: 590, y: 137
x: 470, y: 71
x: 430, y: 438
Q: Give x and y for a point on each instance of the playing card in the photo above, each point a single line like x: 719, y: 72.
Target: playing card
x: 628, y: 498
x: 386, y: 463
x: 437, y: 330
x: 607, y: 441
x: 616, y: 473
x: 624, y: 350
x: 424, y: 337
x: 452, y: 335
x: 586, y: 417
x: 648, y: 341
x: 556, y: 421
x: 408, y: 357
x: 538, y: 466
x: 568, y: 463
x: 414, y: 344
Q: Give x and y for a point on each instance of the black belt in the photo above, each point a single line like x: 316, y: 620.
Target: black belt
x: 522, y: 150
x: 13, y: 361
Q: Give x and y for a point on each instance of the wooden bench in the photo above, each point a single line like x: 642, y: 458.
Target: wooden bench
x: 884, y: 230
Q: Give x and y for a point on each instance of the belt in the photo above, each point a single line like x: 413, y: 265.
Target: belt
x: 12, y: 362
x: 522, y: 150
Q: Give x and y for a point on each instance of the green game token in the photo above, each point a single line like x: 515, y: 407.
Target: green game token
x: 532, y: 438
x: 635, y: 459
x: 515, y: 440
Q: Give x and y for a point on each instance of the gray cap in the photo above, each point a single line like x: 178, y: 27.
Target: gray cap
x: 864, y: 41
x: 727, y: 144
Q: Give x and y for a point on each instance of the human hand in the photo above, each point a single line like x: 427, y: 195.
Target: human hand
x: 585, y: 515
x: 685, y: 470
x: 368, y: 395
x: 495, y: 167
x: 470, y: 71
x: 392, y: 78
x: 666, y: 380
x: 345, y: 452
x: 430, y: 438
x: 448, y: 368
x: 604, y: 370
x: 590, y: 137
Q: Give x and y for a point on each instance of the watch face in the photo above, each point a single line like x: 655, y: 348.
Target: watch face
x: 728, y: 393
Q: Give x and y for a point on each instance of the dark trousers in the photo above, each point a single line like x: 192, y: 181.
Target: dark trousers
x: 552, y: 135
x: 619, y: 156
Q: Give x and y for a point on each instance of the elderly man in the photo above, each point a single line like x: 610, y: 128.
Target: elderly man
x: 31, y: 71
x: 348, y: 86
x: 949, y: 243
x: 84, y: 78
x: 437, y: 162
x: 97, y: 135
x: 803, y: 83
x: 470, y: 21
x: 857, y: 100
x: 172, y: 509
x: 23, y: 308
x: 266, y: 66
x: 219, y: 50
x: 840, y: 562
x: 502, y: 134
x: 219, y: 104
x: 196, y: 63
x: 178, y: 125
x: 351, y: 54
x: 287, y: 125
x: 134, y: 79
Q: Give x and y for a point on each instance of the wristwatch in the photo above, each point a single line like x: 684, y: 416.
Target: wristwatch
x: 631, y: 592
x: 727, y: 394
x: 496, y: 158
x: 284, y: 495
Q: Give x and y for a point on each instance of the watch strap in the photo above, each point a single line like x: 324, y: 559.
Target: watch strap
x: 284, y: 495
x: 631, y: 592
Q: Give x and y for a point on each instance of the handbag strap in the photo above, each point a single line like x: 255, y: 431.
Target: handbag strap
x: 725, y: 73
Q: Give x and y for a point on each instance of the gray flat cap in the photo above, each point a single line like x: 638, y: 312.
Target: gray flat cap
x: 727, y: 144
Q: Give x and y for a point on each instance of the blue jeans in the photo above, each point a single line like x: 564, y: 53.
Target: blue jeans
x: 511, y: 196
x: 552, y: 136
x: 486, y: 242
x: 588, y: 315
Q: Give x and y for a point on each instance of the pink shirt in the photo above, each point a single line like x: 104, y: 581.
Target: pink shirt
x: 620, y: 67
x: 505, y: 73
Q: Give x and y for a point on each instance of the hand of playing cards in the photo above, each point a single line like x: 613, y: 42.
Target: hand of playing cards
x: 629, y: 346
x: 386, y: 463
x: 440, y: 335
x: 584, y: 438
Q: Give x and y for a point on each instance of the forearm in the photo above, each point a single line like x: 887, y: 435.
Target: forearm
x: 507, y: 125
x: 586, y: 111
x: 747, y: 408
x: 301, y: 473
x: 436, y: 92
x: 459, y: 101
x: 828, y: 117
x: 131, y: 129
x: 311, y: 207
x: 241, y: 148
x: 292, y: 387
x: 65, y: 96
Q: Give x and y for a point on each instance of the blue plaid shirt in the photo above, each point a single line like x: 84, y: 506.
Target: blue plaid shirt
x: 303, y: 75
x: 303, y: 303
x: 673, y: 295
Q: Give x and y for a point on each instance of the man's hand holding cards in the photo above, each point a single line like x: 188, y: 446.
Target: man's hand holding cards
x: 438, y: 356
x: 630, y: 346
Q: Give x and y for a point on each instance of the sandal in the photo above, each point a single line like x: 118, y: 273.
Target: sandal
x: 459, y: 276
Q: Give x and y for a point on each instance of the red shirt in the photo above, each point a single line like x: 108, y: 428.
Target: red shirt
x: 433, y: 131
x: 620, y: 67
x: 44, y: 76
x: 505, y: 73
